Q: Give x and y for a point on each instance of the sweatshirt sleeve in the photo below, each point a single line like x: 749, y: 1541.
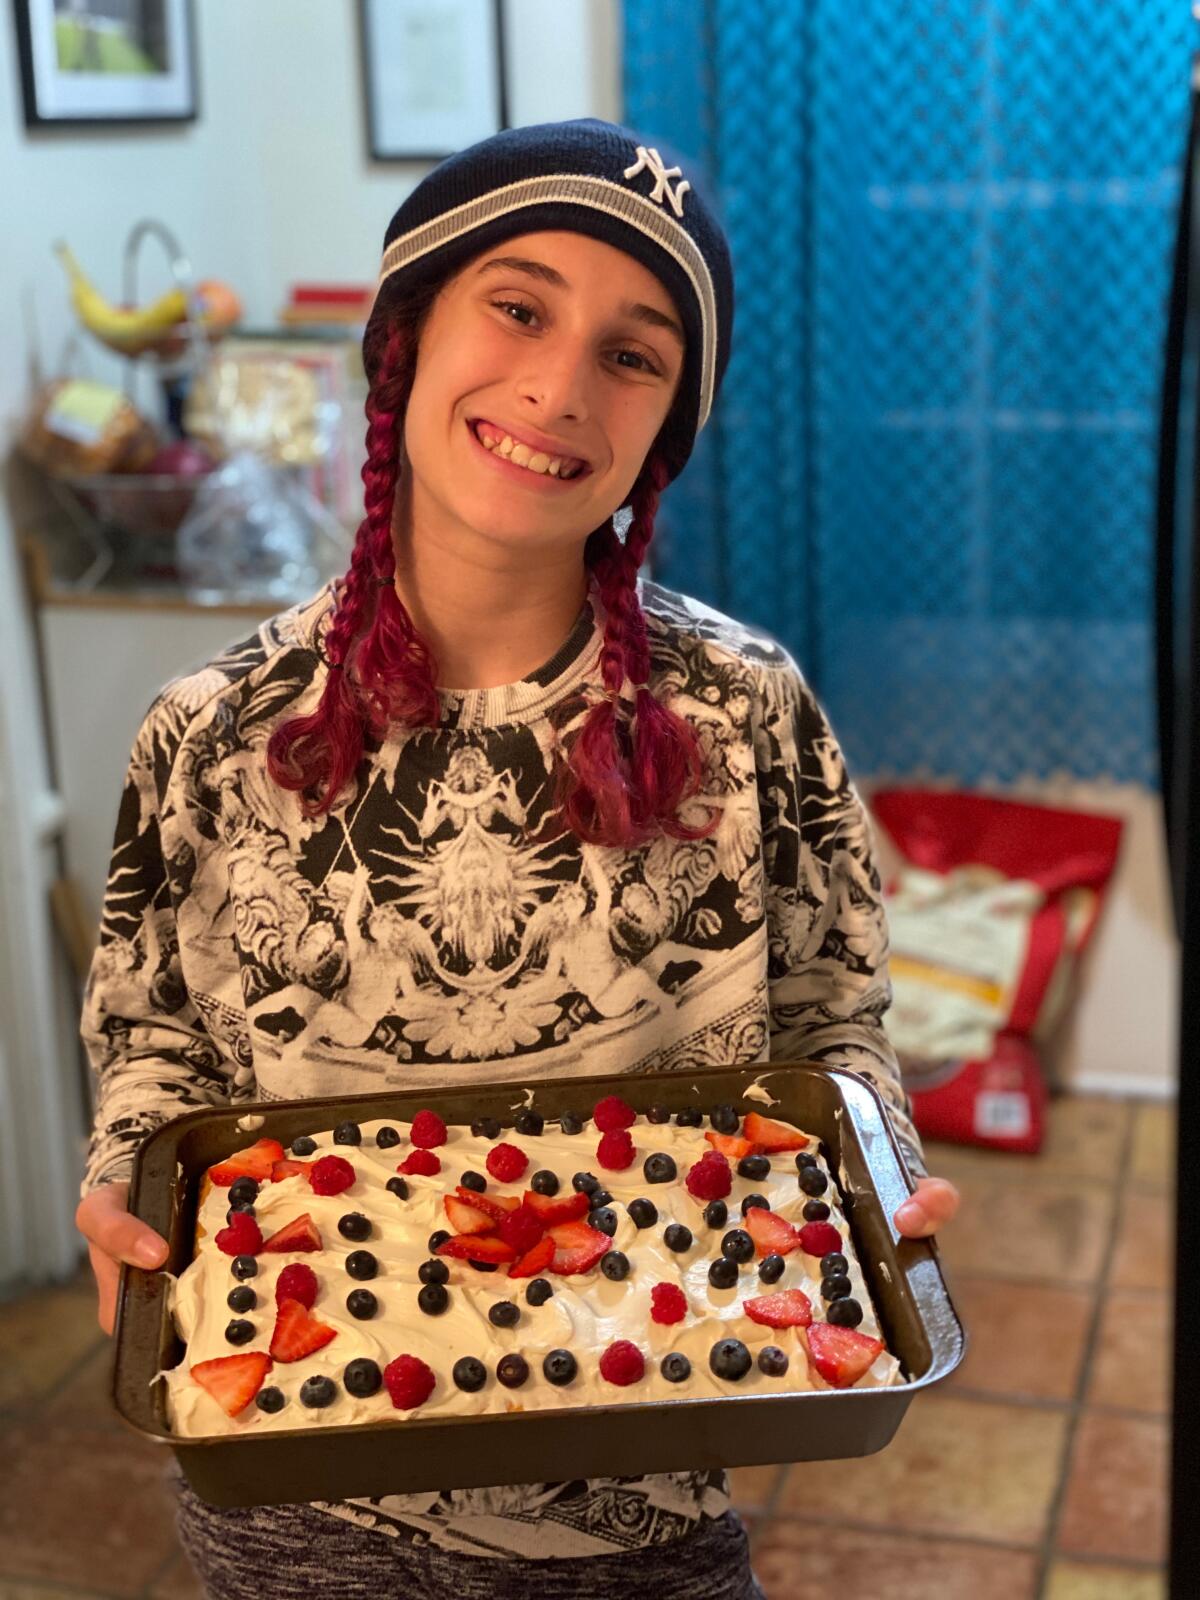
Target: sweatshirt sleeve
x: 827, y: 928
x: 150, y: 1054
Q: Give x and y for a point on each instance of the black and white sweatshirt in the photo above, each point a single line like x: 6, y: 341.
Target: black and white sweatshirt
x: 421, y: 935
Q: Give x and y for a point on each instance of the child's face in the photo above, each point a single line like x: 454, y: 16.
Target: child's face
x: 566, y: 365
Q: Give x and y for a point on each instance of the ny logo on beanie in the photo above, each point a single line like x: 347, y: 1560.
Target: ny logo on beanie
x: 651, y: 161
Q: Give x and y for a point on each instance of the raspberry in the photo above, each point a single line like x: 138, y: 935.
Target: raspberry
x: 819, y: 1238
x: 296, y: 1282
x: 615, y: 1151
x: 622, y: 1363
x: 506, y: 1163
x: 422, y: 1162
x: 427, y: 1130
x: 667, y: 1303
x: 522, y: 1229
x: 710, y: 1178
x: 330, y: 1175
x: 612, y: 1112
x: 242, y: 1237
x: 409, y: 1382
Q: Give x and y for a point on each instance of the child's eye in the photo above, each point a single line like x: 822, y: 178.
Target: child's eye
x: 519, y: 305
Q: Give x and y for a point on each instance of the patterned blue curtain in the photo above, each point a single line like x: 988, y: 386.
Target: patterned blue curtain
x: 931, y: 471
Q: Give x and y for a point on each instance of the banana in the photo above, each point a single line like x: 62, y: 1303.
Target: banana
x: 127, y: 331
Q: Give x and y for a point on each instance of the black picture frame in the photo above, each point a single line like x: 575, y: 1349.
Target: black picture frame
x: 396, y: 131
x: 55, y: 96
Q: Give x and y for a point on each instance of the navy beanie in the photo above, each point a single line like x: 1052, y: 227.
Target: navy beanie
x: 588, y: 177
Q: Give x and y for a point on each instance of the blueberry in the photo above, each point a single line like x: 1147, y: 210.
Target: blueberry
x: 387, y: 1138
x: 244, y: 1267
x: 559, y: 1367
x: 604, y: 1220
x: 239, y: 1331
x: 433, y: 1299
x: 737, y: 1246
x: 678, y: 1238
x: 723, y: 1273
x: 815, y: 1211
x: 398, y: 1187
x: 361, y: 1304
x: 362, y: 1377
x: 270, y: 1399
x: 243, y: 1208
x: 469, y: 1373
x: 474, y: 1180
x: 755, y: 1167
x: 845, y: 1313
x: 813, y: 1181
x: 599, y: 1197
x: 538, y: 1292
x: 484, y: 1266
x: 347, y: 1133
x: 772, y: 1361
x: 303, y: 1146
x: 658, y: 1114
x: 729, y: 1358
x: 353, y: 1225
x: 615, y: 1265
x: 675, y: 1367
x: 241, y: 1299
x: 544, y: 1182
x: 689, y: 1117
x: 770, y: 1268
x: 504, y: 1314
x: 659, y: 1168
x: 361, y: 1264
x: 485, y: 1128
x: 834, y: 1261
x: 243, y: 1191
x: 318, y: 1392
x: 835, y: 1287
x: 644, y: 1213
x: 437, y: 1237
x: 725, y: 1119
x: 584, y: 1183
x: 529, y: 1122
x: 805, y: 1160
x: 571, y: 1122
x: 716, y: 1214
x: 512, y: 1371
x: 752, y: 1200
x: 433, y: 1272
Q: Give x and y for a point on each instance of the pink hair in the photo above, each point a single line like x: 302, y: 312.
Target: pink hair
x: 621, y: 777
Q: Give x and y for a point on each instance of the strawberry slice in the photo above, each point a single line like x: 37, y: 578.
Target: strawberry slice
x: 841, y: 1355
x: 551, y: 1209
x: 495, y: 1206
x: 289, y: 1169
x: 255, y: 1162
x: 233, y: 1381
x: 577, y: 1247
x: 297, y: 1332
x: 770, y: 1136
x: 730, y: 1145
x: 773, y: 1235
x: 476, y: 1247
x: 465, y: 1218
x: 535, y: 1260
x: 790, y: 1308
x: 299, y: 1234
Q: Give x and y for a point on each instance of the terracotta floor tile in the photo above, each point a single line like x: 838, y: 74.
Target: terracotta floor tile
x: 178, y: 1582
x: 121, y: 1527
x: 956, y: 1466
x: 86, y: 1396
x: 42, y: 1336
x: 1144, y: 1257
x: 1115, y: 1507
x: 1152, y: 1153
x: 1023, y: 1339
x: 1053, y: 1231
x: 1086, y: 1136
x: 18, y: 1589
x: 797, y: 1557
x: 754, y: 1486
x: 1072, y: 1580
x: 1131, y: 1365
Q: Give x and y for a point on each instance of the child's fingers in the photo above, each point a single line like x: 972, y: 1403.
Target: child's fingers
x: 935, y: 1202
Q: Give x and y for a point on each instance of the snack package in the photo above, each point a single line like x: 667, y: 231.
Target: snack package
x: 988, y: 918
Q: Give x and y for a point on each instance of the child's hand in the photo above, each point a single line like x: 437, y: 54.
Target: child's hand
x: 935, y: 1202
x: 114, y: 1236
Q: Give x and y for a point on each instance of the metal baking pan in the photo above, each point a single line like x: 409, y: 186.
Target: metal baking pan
x: 919, y: 1322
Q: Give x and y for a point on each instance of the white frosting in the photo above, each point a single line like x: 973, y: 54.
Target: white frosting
x: 757, y: 1091
x: 251, y: 1122
x: 585, y: 1314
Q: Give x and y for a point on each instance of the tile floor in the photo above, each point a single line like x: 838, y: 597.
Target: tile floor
x: 1037, y: 1472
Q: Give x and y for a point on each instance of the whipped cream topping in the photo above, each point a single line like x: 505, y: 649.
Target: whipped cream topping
x: 585, y: 1314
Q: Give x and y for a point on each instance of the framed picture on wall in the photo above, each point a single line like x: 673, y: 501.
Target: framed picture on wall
x: 433, y: 72
x: 106, y: 61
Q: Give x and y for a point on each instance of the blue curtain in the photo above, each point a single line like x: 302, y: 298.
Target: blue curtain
x: 931, y: 470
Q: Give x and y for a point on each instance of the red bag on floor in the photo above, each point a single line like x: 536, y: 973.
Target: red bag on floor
x: 987, y: 919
